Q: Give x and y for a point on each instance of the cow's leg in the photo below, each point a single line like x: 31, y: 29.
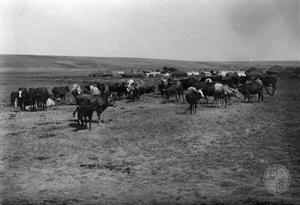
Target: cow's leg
x: 76, y: 110
x: 90, y: 123
x: 225, y: 102
x: 206, y: 99
x: 98, y: 115
x: 79, y: 118
x: 248, y: 97
x: 258, y: 96
x: 195, y: 105
x: 85, y: 121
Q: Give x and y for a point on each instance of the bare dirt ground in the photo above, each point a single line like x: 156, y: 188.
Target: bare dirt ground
x: 149, y: 152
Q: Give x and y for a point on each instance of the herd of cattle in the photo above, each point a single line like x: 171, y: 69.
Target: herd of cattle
x: 100, y: 96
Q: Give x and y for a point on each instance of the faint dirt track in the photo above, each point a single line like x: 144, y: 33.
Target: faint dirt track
x: 151, y: 153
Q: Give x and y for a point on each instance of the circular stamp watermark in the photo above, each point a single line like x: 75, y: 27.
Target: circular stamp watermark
x: 276, y: 179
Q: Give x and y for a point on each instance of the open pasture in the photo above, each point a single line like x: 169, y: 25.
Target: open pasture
x: 147, y: 152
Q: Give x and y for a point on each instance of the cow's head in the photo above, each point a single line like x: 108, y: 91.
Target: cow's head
x: 201, y: 92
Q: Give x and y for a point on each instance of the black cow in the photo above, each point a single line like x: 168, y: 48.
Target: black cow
x: 174, y: 88
x: 188, y: 82
x: 87, y: 104
x: 13, y: 98
x: 42, y: 96
x: 252, y: 87
x: 242, y: 79
x: 118, y: 88
x: 231, y: 79
x: 60, y: 92
x: 206, y: 87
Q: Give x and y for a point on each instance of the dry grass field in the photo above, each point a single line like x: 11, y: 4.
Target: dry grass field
x: 148, y: 152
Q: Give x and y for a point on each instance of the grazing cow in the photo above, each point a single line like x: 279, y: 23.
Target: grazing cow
x: 252, y: 87
x: 224, y: 92
x: 60, y: 92
x: 118, y: 88
x: 269, y: 83
x: 87, y: 104
x: 193, y: 96
x: 141, y: 87
x: 14, y: 99
x: 135, y: 89
x: 174, y: 88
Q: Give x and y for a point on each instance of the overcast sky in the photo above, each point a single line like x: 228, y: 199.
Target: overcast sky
x: 177, y: 29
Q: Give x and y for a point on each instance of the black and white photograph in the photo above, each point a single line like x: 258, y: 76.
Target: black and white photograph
x: 149, y: 102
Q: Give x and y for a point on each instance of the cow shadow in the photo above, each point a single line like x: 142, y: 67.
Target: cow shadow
x: 74, y: 124
x: 77, y: 127
x: 209, y: 105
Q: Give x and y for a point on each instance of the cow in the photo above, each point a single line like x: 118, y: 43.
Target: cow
x: 137, y: 89
x: 140, y: 88
x: 162, y: 84
x: 231, y: 79
x: 87, y: 104
x: 42, y: 96
x: 22, y: 98
x: 31, y: 99
x: 269, y: 82
x: 188, y: 82
x: 174, y: 88
x: 242, y: 79
x: 193, y: 96
x: 14, y: 99
x: 60, y: 92
x: 224, y: 92
x: 118, y: 88
x: 252, y: 87
x: 206, y: 87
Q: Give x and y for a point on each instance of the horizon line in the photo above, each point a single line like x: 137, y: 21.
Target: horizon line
x: 148, y: 58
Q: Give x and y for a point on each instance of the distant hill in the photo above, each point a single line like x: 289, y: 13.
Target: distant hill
x: 72, y: 62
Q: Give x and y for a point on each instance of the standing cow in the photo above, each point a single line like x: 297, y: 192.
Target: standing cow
x: 14, y: 99
x: 193, y: 96
x: 60, y: 92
